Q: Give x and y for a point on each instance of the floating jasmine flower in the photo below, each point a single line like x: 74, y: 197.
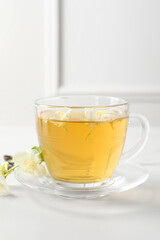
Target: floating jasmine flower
x: 60, y: 117
x: 92, y: 115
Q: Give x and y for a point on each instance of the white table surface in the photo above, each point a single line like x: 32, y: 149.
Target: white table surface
x: 134, y: 214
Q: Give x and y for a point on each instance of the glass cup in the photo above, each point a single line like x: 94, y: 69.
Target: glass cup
x: 82, y: 138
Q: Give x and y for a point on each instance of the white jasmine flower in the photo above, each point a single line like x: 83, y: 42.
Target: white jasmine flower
x: 92, y: 115
x: 103, y: 115
x: 77, y: 115
x: 109, y: 115
x: 30, y: 162
x: 62, y: 115
x: 3, y: 186
x: 3, y: 173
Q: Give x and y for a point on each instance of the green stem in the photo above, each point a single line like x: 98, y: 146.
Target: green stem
x: 9, y: 171
x: 42, y: 160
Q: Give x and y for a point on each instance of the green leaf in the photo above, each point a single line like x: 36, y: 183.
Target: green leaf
x: 37, y: 149
x: 39, y: 152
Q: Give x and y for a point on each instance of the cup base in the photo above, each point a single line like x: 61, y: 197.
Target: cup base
x: 90, y: 186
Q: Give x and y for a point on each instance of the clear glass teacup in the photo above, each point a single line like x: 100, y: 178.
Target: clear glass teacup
x: 82, y: 137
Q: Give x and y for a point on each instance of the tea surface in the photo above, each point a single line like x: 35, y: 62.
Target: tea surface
x: 81, y: 151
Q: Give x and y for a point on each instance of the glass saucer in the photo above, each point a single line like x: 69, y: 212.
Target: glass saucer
x: 126, y: 176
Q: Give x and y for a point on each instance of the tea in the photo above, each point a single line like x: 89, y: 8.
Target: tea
x: 81, y: 151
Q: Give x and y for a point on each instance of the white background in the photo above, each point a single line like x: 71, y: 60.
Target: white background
x: 88, y: 46
x: 106, y: 47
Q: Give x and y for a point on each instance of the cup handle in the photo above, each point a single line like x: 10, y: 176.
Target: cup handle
x: 137, y: 120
